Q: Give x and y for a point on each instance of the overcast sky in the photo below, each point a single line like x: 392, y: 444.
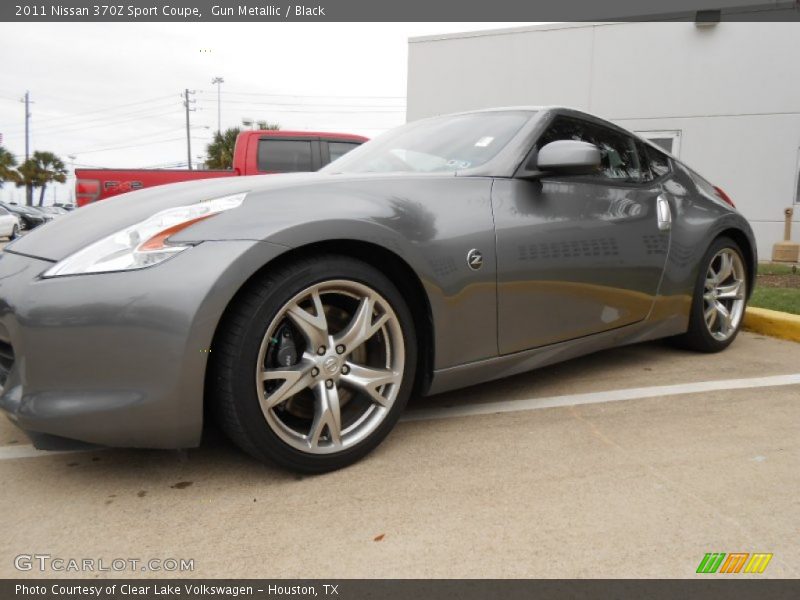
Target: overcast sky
x: 109, y: 94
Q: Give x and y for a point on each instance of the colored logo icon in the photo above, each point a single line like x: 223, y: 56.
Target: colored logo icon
x: 736, y: 562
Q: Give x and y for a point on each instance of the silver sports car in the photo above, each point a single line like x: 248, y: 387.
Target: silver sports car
x: 303, y: 310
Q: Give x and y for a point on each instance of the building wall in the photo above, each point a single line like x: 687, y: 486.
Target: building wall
x: 732, y: 90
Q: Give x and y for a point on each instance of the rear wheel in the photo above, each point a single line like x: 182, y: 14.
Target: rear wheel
x: 314, y: 364
x: 719, y: 300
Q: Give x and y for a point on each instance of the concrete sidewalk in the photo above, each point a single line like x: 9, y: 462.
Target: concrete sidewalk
x: 631, y: 488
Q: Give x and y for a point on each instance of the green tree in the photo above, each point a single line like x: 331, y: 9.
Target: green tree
x: 40, y: 169
x: 267, y: 126
x: 220, y: 150
x: 7, y: 170
x: 219, y: 153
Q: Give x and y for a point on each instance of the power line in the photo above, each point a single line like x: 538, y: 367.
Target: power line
x: 308, y: 96
x: 107, y: 109
x: 103, y: 121
x: 313, y: 104
x: 311, y: 112
x: 90, y: 151
x: 108, y: 125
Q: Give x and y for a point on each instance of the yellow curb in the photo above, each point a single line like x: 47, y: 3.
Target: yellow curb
x: 772, y: 322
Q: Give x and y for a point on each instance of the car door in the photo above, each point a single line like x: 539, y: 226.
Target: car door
x: 577, y: 255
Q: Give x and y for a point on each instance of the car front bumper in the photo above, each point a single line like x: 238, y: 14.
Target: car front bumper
x: 117, y: 359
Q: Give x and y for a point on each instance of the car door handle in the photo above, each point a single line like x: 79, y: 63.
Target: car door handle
x: 664, y: 214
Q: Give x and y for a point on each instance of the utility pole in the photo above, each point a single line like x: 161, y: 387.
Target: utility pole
x: 218, y: 81
x: 27, y: 101
x: 187, y: 103
x: 71, y: 158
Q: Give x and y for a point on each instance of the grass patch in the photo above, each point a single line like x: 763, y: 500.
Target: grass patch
x: 775, y: 269
x: 777, y: 288
x: 782, y: 299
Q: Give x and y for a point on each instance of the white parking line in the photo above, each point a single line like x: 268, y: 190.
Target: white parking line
x: 28, y: 451
x: 492, y: 408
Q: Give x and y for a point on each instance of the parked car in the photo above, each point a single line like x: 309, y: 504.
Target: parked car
x: 256, y: 152
x: 303, y: 310
x: 9, y: 224
x: 29, y: 216
x: 53, y: 210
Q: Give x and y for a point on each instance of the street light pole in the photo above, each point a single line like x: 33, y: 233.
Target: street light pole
x: 218, y: 81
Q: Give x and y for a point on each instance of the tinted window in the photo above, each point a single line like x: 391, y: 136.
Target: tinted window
x: 657, y: 162
x: 284, y: 156
x: 339, y: 149
x: 654, y: 164
x: 620, y: 161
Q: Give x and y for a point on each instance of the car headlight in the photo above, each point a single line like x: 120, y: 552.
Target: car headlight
x: 144, y: 244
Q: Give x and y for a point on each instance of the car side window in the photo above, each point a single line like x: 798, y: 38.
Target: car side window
x: 620, y: 161
x: 658, y: 162
x: 3, y: 211
x: 645, y: 173
x: 284, y: 156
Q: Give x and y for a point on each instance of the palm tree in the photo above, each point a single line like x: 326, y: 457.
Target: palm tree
x: 220, y: 150
x: 7, y: 164
x: 267, y: 126
x: 40, y: 169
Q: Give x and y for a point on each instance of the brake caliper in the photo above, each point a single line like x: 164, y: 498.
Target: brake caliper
x: 285, y: 348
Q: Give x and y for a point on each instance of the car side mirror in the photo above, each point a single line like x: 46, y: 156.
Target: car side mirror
x: 564, y: 157
x: 569, y: 156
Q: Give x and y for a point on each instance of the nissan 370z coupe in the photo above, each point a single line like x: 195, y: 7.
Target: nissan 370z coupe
x: 303, y: 310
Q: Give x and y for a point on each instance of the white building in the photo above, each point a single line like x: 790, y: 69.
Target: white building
x: 725, y: 97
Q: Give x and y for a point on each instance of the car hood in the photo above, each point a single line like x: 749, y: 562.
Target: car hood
x: 69, y: 233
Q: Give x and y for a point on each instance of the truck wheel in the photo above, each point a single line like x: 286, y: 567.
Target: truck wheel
x: 314, y: 363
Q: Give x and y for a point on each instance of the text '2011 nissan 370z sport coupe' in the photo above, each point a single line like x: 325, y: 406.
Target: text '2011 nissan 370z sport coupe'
x: 303, y: 310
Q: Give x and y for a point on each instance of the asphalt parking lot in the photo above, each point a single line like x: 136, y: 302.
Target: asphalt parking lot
x: 558, y: 484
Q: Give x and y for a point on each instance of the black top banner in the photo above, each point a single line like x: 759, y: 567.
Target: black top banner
x: 405, y: 10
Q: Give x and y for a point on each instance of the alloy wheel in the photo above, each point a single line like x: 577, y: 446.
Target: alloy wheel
x: 724, y: 294
x: 330, y: 366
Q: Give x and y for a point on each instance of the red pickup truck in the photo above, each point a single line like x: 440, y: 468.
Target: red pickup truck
x: 255, y: 153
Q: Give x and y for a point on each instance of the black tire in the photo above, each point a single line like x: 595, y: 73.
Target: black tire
x: 235, y: 354
x: 14, y: 233
x: 698, y: 337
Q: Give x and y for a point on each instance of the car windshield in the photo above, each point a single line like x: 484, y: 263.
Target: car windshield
x: 440, y: 144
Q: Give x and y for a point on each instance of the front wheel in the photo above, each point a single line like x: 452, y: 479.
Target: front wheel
x: 719, y: 299
x: 14, y: 233
x: 314, y: 364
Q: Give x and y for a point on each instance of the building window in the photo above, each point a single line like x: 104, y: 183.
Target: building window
x: 797, y: 193
x: 670, y: 141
